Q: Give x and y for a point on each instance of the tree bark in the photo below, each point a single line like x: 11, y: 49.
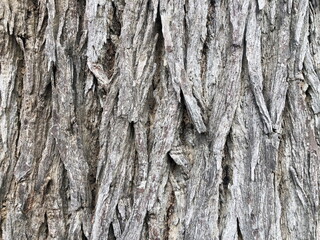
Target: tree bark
x: 159, y: 119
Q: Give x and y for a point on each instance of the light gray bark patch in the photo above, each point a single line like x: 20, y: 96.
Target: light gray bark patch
x: 172, y: 19
x: 253, y: 56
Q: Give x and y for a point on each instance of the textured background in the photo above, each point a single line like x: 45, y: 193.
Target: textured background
x: 159, y: 119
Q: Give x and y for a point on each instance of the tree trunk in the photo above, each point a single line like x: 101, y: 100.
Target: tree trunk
x: 160, y: 119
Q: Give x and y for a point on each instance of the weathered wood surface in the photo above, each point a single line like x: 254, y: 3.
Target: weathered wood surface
x: 159, y: 119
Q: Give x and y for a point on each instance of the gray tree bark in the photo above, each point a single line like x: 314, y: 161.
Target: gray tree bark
x: 159, y: 119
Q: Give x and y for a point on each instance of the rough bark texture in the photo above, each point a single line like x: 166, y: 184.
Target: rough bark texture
x: 159, y: 119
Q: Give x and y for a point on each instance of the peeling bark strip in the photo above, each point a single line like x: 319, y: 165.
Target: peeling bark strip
x: 158, y: 119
